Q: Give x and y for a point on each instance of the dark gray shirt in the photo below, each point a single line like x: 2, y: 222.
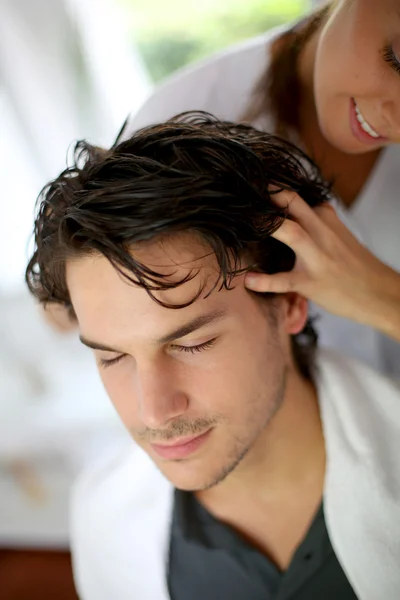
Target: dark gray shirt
x: 209, y: 560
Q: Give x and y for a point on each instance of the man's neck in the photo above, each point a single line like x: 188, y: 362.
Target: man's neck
x: 272, y: 497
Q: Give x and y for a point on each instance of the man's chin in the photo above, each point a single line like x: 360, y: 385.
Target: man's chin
x: 186, y: 477
x: 197, y: 474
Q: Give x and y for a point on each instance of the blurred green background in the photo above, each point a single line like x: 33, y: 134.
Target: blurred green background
x: 172, y: 33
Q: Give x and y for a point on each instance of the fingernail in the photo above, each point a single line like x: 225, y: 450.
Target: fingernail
x: 251, y: 281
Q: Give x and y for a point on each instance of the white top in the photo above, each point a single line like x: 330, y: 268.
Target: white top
x: 223, y: 86
x: 121, y: 510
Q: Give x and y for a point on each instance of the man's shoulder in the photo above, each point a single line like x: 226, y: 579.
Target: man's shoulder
x: 120, y: 511
x: 344, y: 373
x: 221, y: 84
x: 360, y: 409
x: 127, y: 480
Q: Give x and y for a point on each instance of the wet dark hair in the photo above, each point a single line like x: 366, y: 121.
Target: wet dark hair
x: 193, y: 173
x: 278, y: 90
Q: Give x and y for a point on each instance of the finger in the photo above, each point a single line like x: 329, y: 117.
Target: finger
x: 301, y: 212
x: 278, y: 283
x: 283, y: 198
x: 297, y: 207
x: 294, y: 236
x: 327, y: 213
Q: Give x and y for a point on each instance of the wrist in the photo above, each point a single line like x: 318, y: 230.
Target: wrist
x: 385, y: 305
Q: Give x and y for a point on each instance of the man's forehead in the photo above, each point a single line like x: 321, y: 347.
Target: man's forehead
x: 107, y: 304
x: 175, y: 255
x: 95, y: 281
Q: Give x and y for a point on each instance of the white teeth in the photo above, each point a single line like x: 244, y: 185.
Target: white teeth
x: 364, y: 125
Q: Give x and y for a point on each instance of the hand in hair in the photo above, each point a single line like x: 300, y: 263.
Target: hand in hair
x: 333, y: 269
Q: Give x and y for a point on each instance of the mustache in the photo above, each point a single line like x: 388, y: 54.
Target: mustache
x: 179, y: 428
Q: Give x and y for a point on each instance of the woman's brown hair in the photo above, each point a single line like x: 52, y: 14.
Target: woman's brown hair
x: 278, y: 90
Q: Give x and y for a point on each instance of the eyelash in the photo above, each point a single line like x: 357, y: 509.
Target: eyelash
x: 390, y: 57
x: 195, y: 349
x: 189, y: 349
x: 109, y: 363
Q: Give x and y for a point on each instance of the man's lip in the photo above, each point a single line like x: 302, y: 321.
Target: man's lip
x: 181, y: 442
x: 182, y: 448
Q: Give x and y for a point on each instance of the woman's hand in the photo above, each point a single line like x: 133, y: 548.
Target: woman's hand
x: 333, y: 269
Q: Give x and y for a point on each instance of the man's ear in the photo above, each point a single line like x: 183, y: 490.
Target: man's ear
x: 296, y: 312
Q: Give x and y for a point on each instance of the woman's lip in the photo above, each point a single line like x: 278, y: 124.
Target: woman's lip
x: 181, y: 449
x: 358, y: 131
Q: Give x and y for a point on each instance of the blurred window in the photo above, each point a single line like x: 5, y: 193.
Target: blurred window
x: 172, y: 34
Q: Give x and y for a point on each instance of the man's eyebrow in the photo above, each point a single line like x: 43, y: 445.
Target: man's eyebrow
x: 97, y: 345
x: 182, y: 331
x: 192, y: 326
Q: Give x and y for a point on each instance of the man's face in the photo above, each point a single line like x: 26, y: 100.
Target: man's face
x: 197, y: 386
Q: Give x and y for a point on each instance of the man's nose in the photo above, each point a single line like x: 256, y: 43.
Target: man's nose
x: 159, y: 398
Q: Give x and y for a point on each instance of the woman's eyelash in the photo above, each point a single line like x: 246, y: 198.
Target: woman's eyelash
x: 195, y: 349
x: 390, y: 57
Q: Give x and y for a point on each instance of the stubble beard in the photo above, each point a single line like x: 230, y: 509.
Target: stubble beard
x: 242, y: 447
